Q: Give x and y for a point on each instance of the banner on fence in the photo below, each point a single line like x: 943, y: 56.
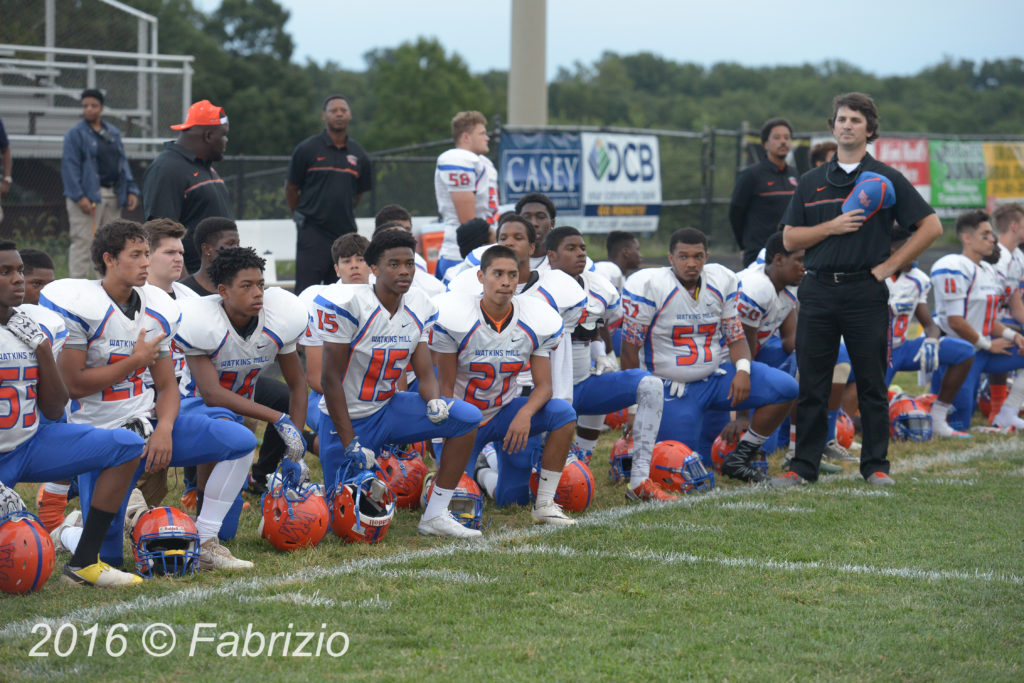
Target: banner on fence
x: 958, y: 173
x: 598, y: 181
x: 910, y: 157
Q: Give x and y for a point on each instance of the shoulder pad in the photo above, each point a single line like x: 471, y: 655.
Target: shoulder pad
x: 160, y: 306
x: 559, y: 289
x: 462, y: 157
x: 421, y: 305
x: 538, y: 315
x: 284, y: 314
x: 467, y: 282
x: 203, y: 323
x: 427, y: 283
x: 601, y: 287
x: 79, y: 302
x: 309, y: 294
x: 183, y: 292
x: 456, y: 311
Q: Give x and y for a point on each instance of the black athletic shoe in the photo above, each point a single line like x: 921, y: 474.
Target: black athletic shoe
x: 737, y: 464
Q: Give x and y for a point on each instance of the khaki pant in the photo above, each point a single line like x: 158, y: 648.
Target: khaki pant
x: 80, y: 256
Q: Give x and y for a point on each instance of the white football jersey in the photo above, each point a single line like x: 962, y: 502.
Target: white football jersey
x: 1010, y: 269
x: 460, y: 170
x: 543, y: 265
x: 205, y: 330
x: 427, y: 283
x: 963, y: 288
x: 177, y: 355
x: 380, y: 347
x: 759, y: 305
x: 50, y: 323
x: 611, y: 271
x: 19, y: 416
x: 472, y: 259
x: 311, y: 337
x: 488, y: 361
x: 97, y: 325
x: 684, y: 336
x: 602, y: 304
x: 562, y: 293
x: 906, y: 291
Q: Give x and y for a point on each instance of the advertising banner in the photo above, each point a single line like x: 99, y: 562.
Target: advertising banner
x: 1004, y: 162
x: 599, y: 182
x: 957, y: 173
x: 909, y: 156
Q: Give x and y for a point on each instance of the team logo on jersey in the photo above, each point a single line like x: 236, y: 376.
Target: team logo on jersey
x: 352, y: 159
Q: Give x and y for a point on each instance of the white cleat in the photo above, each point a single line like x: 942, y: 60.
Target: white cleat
x: 212, y: 555
x: 74, y: 519
x: 1008, y: 418
x: 447, y: 526
x: 552, y: 514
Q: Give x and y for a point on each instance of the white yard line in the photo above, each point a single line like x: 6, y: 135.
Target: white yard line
x: 120, y: 610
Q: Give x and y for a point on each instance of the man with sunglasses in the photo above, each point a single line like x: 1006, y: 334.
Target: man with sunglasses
x: 844, y: 293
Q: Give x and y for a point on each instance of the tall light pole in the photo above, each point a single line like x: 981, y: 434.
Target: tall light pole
x: 527, y: 80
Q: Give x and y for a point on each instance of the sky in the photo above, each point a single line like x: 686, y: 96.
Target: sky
x: 906, y: 36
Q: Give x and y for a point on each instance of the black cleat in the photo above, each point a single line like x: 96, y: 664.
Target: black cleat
x: 737, y: 464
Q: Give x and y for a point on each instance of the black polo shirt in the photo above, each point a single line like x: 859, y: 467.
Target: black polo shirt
x: 819, y: 198
x: 329, y: 178
x: 759, y: 199
x: 179, y: 186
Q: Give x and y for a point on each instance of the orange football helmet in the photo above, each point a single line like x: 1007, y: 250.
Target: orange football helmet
x: 27, y: 555
x: 165, y: 542
x: 621, y: 460
x: 617, y: 419
x: 907, y: 422
x: 925, y: 401
x: 677, y: 468
x: 404, y: 471
x: 575, y: 486
x: 294, y: 519
x: 362, y: 508
x: 467, y: 504
x: 844, y: 430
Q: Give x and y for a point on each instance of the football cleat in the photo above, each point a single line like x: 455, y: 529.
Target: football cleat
x: 786, y: 480
x: 362, y: 508
x: 575, y: 486
x: 740, y: 463
x: 212, y: 555
x: 27, y: 555
x: 674, y: 467
x: 835, y: 451
x: 404, y: 471
x: 447, y: 526
x: 881, y: 479
x: 621, y: 460
x: 100, y: 575
x: 649, y: 490
x: 165, y: 543
x: 551, y: 514
x: 74, y: 519
x: 467, y: 503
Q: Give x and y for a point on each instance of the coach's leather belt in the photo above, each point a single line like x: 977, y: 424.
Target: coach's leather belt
x: 839, y: 278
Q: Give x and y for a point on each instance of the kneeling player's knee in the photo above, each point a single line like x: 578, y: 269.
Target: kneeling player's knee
x: 465, y: 413
x: 841, y: 373
x: 560, y: 413
x: 234, y: 437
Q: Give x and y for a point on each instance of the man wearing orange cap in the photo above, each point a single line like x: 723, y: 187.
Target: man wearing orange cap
x: 182, y: 184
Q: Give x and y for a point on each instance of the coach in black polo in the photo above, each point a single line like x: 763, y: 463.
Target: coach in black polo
x: 844, y: 292
x: 327, y: 175
x: 181, y: 184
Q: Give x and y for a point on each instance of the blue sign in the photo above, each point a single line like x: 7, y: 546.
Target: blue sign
x: 548, y: 163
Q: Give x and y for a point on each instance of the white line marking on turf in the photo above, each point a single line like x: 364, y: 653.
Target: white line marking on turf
x: 439, y: 575
x: 647, y: 555
x: 118, y: 610
x: 763, y: 507
x: 943, y: 481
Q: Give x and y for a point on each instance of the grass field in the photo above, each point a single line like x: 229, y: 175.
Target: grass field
x: 923, y: 581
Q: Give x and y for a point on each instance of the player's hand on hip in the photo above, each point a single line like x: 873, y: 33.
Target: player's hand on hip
x: 437, y: 410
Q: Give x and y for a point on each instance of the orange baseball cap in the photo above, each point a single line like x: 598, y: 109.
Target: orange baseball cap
x: 203, y: 113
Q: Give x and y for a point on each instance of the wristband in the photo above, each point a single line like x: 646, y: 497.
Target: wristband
x: 743, y: 365
x: 983, y: 343
x: 1009, y: 334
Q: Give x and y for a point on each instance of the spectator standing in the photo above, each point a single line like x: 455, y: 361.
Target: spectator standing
x: 328, y: 174
x: 98, y: 182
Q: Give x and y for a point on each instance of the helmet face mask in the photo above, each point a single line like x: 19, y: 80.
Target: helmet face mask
x: 362, y: 508
x: 467, y: 503
x: 907, y: 422
x: 621, y: 460
x: 677, y: 468
x: 165, y: 543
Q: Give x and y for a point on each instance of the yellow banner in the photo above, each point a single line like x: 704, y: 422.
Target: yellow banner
x: 1005, y: 169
